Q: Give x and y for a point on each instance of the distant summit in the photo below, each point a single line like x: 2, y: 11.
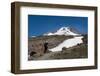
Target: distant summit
x: 64, y: 31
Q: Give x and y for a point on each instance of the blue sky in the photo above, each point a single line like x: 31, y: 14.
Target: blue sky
x: 40, y: 24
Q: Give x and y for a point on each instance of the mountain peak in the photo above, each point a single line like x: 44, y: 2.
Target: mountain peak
x: 63, y: 31
x: 63, y: 28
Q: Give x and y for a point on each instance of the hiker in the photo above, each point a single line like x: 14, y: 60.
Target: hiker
x: 45, y: 47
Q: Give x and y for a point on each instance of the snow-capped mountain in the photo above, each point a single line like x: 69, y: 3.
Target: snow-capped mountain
x: 63, y: 31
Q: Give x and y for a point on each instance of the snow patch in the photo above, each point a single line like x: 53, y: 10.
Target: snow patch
x: 68, y: 43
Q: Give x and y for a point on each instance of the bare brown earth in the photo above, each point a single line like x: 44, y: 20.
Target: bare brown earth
x: 79, y: 51
x: 36, y: 45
